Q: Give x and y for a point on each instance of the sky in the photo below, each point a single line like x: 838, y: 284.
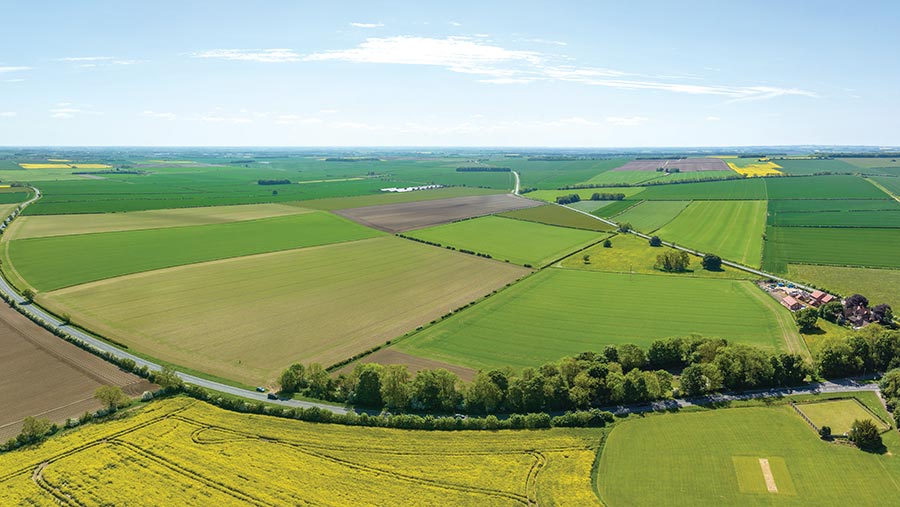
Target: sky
x: 461, y: 73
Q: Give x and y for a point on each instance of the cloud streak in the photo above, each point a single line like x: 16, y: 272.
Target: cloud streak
x: 250, y: 55
x: 13, y: 69
x: 367, y: 25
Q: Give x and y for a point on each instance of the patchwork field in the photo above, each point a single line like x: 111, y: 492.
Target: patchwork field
x: 615, y: 208
x: 561, y: 312
x: 619, y: 177
x: 49, y: 377
x: 854, y: 218
x: 892, y: 185
x: 517, y: 241
x: 684, y: 165
x: 633, y: 254
x: 590, y: 206
x: 649, y: 216
x: 91, y: 257
x: 730, y: 229
x: 839, y: 247
x: 691, y: 458
x: 247, y: 318
x: 338, y: 203
x: 552, y: 214
x: 184, y: 452
x: 755, y: 168
x: 584, y: 193
x: 416, y: 215
x: 741, y: 190
x: 811, y: 166
x: 61, y: 225
x: 839, y: 414
x: 822, y: 187
x: 879, y: 285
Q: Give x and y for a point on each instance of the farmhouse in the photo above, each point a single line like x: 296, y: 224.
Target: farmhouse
x: 790, y: 303
x: 819, y: 298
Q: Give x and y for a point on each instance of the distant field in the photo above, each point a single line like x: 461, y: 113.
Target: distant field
x: 838, y: 219
x: 623, y: 177
x: 715, y: 454
x: 813, y: 205
x: 12, y: 196
x: 555, y: 174
x: 187, y: 453
x: 518, y: 241
x: 822, y: 187
x: 615, y: 208
x: 801, y: 167
x: 62, y: 225
x: 552, y: 214
x: 584, y: 193
x: 891, y: 184
x: 633, y: 254
x: 872, y: 162
x: 651, y: 215
x: 61, y: 261
x: 746, y: 189
x: 590, y: 206
x: 561, y: 312
x: 336, y: 203
x: 838, y: 414
x: 730, y: 229
x: 248, y: 318
x: 693, y: 176
x: 684, y: 164
x: 838, y: 247
x: 879, y: 285
x: 755, y: 169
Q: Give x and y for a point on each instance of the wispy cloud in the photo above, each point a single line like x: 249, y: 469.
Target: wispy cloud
x: 251, y: 55
x: 367, y: 25
x: 64, y: 111
x: 712, y: 118
x: 547, y: 41
x: 158, y: 116
x: 296, y: 119
x: 455, y: 23
x: 8, y: 114
x: 4, y: 69
x: 95, y: 61
x: 627, y: 121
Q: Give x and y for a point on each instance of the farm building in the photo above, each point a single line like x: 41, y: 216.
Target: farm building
x: 819, y: 298
x: 790, y: 303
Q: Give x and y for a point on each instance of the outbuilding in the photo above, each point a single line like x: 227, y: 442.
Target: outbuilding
x: 790, y: 303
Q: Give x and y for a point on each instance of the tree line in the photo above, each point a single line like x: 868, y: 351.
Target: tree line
x: 273, y: 182
x: 483, y: 169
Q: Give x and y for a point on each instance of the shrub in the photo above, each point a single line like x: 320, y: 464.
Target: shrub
x: 655, y: 241
x: 711, y: 262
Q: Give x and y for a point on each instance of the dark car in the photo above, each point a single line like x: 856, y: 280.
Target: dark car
x: 260, y: 389
x: 272, y: 396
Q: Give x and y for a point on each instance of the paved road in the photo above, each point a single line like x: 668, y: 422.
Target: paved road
x: 117, y: 352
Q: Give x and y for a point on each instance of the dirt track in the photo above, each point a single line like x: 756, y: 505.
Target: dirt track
x: 415, y: 215
x: 685, y: 165
x: 42, y: 375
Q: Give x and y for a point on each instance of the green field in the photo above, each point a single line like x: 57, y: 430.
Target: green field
x: 838, y: 414
x: 517, y: 241
x: 797, y: 167
x: 879, y: 285
x: 838, y: 219
x: 815, y: 205
x: 692, y: 458
x: 61, y: 261
x: 891, y: 184
x: 12, y: 196
x: 553, y: 214
x: 633, y: 254
x: 623, y: 178
x: 651, y: 215
x: 562, y: 312
x: 590, y: 206
x: 615, y: 208
x: 822, y: 187
x: 876, y: 248
x: 555, y: 174
x: 248, y: 318
x: 730, y: 229
x: 873, y: 162
x: 584, y: 193
x: 744, y: 189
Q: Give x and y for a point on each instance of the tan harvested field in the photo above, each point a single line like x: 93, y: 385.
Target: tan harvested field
x: 43, y: 375
x: 248, y: 318
x: 685, y: 165
x: 415, y: 364
x: 60, y: 225
x: 415, y: 215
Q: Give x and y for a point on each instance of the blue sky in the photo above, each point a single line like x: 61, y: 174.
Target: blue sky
x: 602, y: 74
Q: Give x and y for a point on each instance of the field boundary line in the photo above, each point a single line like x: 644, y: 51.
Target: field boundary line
x: 881, y: 187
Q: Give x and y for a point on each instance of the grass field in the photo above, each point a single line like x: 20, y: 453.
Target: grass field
x: 60, y: 225
x: 649, y: 216
x: 891, y: 184
x: 884, y: 218
x: 561, y: 312
x: 184, y: 452
x: 879, y: 285
x: 247, y: 318
x: 61, y: 261
x: 584, y: 193
x: 816, y: 205
x: 836, y: 247
x: 552, y: 214
x: 336, y: 203
x: 732, y: 229
x: 623, y: 177
x: 838, y: 414
x: 615, y: 208
x: 13, y: 196
x: 745, y: 189
x: 518, y: 241
x: 633, y: 254
x: 798, y: 167
x: 590, y: 206
x: 872, y: 162
x: 692, y: 458
x: 822, y: 187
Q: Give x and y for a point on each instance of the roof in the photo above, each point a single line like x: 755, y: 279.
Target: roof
x: 818, y: 294
x: 790, y: 301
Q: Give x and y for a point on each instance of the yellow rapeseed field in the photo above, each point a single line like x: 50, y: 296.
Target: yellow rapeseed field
x: 91, y: 166
x: 44, y: 166
x: 767, y: 168
x: 184, y: 452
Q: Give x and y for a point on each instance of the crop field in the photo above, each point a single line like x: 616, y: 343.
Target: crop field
x: 684, y: 165
x: 839, y: 414
x: 617, y: 177
x: 62, y: 225
x: 837, y: 247
x: 755, y: 169
x: 44, y: 375
x: 649, y: 216
x: 724, y: 454
x: 184, y: 452
x: 338, y: 203
x: 742, y: 190
x: 91, y: 257
x: 872, y: 162
x: 584, y: 193
x: 798, y: 167
x: 562, y: 312
x: 815, y: 205
x: 633, y: 254
x: 554, y: 174
x: 879, y: 285
x: 884, y: 218
x: 416, y: 215
x: 248, y: 318
x: 730, y: 229
x: 503, y: 239
x: 615, y: 208
x: 891, y: 184
x: 590, y: 206
x: 822, y: 187
x: 552, y: 214
x: 13, y: 196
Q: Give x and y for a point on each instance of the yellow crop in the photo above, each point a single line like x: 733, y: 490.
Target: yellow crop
x: 184, y: 452
x: 766, y: 168
x: 90, y: 166
x: 45, y: 166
